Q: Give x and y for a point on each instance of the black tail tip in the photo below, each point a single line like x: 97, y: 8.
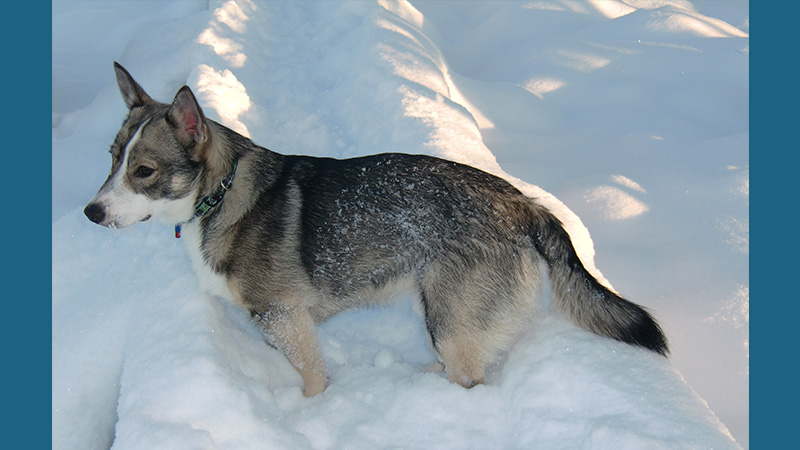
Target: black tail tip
x: 661, y: 347
x: 648, y: 334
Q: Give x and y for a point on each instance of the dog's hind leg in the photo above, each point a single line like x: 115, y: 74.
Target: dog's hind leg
x: 464, y: 361
x: 473, y: 314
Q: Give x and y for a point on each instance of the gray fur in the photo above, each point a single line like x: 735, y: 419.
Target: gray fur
x: 297, y: 239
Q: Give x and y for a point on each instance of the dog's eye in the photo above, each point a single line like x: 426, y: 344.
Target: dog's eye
x: 144, y: 171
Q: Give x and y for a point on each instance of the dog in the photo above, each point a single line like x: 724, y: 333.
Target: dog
x: 298, y: 239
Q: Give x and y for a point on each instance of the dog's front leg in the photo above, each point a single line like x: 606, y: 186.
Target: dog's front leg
x: 291, y: 329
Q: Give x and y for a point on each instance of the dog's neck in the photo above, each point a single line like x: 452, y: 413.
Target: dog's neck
x: 219, y: 152
x: 210, y: 201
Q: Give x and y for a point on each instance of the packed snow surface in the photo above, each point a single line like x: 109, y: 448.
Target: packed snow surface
x: 629, y: 119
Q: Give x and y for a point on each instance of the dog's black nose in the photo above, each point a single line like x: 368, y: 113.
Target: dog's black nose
x: 95, y: 212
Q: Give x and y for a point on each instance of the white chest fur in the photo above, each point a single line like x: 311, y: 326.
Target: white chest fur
x: 211, y: 282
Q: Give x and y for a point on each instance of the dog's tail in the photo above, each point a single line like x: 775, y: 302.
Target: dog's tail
x: 586, y: 302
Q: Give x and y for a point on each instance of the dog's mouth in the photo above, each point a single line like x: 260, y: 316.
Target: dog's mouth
x: 97, y: 214
x: 115, y: 225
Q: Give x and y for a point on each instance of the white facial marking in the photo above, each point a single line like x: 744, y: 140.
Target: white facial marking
x: 119, y: 177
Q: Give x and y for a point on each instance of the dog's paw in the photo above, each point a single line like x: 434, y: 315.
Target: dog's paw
x: 315, y: 387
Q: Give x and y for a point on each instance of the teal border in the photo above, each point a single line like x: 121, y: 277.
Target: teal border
x: 775, y: 176
x: 26, y: 224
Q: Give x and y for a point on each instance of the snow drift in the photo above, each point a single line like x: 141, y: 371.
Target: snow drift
x: 635, y: 112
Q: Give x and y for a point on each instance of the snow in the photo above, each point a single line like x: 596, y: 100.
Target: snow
x: 628, y: 118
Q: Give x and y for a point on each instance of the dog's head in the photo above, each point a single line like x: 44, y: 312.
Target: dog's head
x: 156, y: 159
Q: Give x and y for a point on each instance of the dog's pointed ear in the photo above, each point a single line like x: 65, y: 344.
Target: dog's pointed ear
x: 187, y: 120
x: 132, y: 93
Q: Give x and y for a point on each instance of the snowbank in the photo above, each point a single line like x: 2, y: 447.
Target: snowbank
x: 634, y: 112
